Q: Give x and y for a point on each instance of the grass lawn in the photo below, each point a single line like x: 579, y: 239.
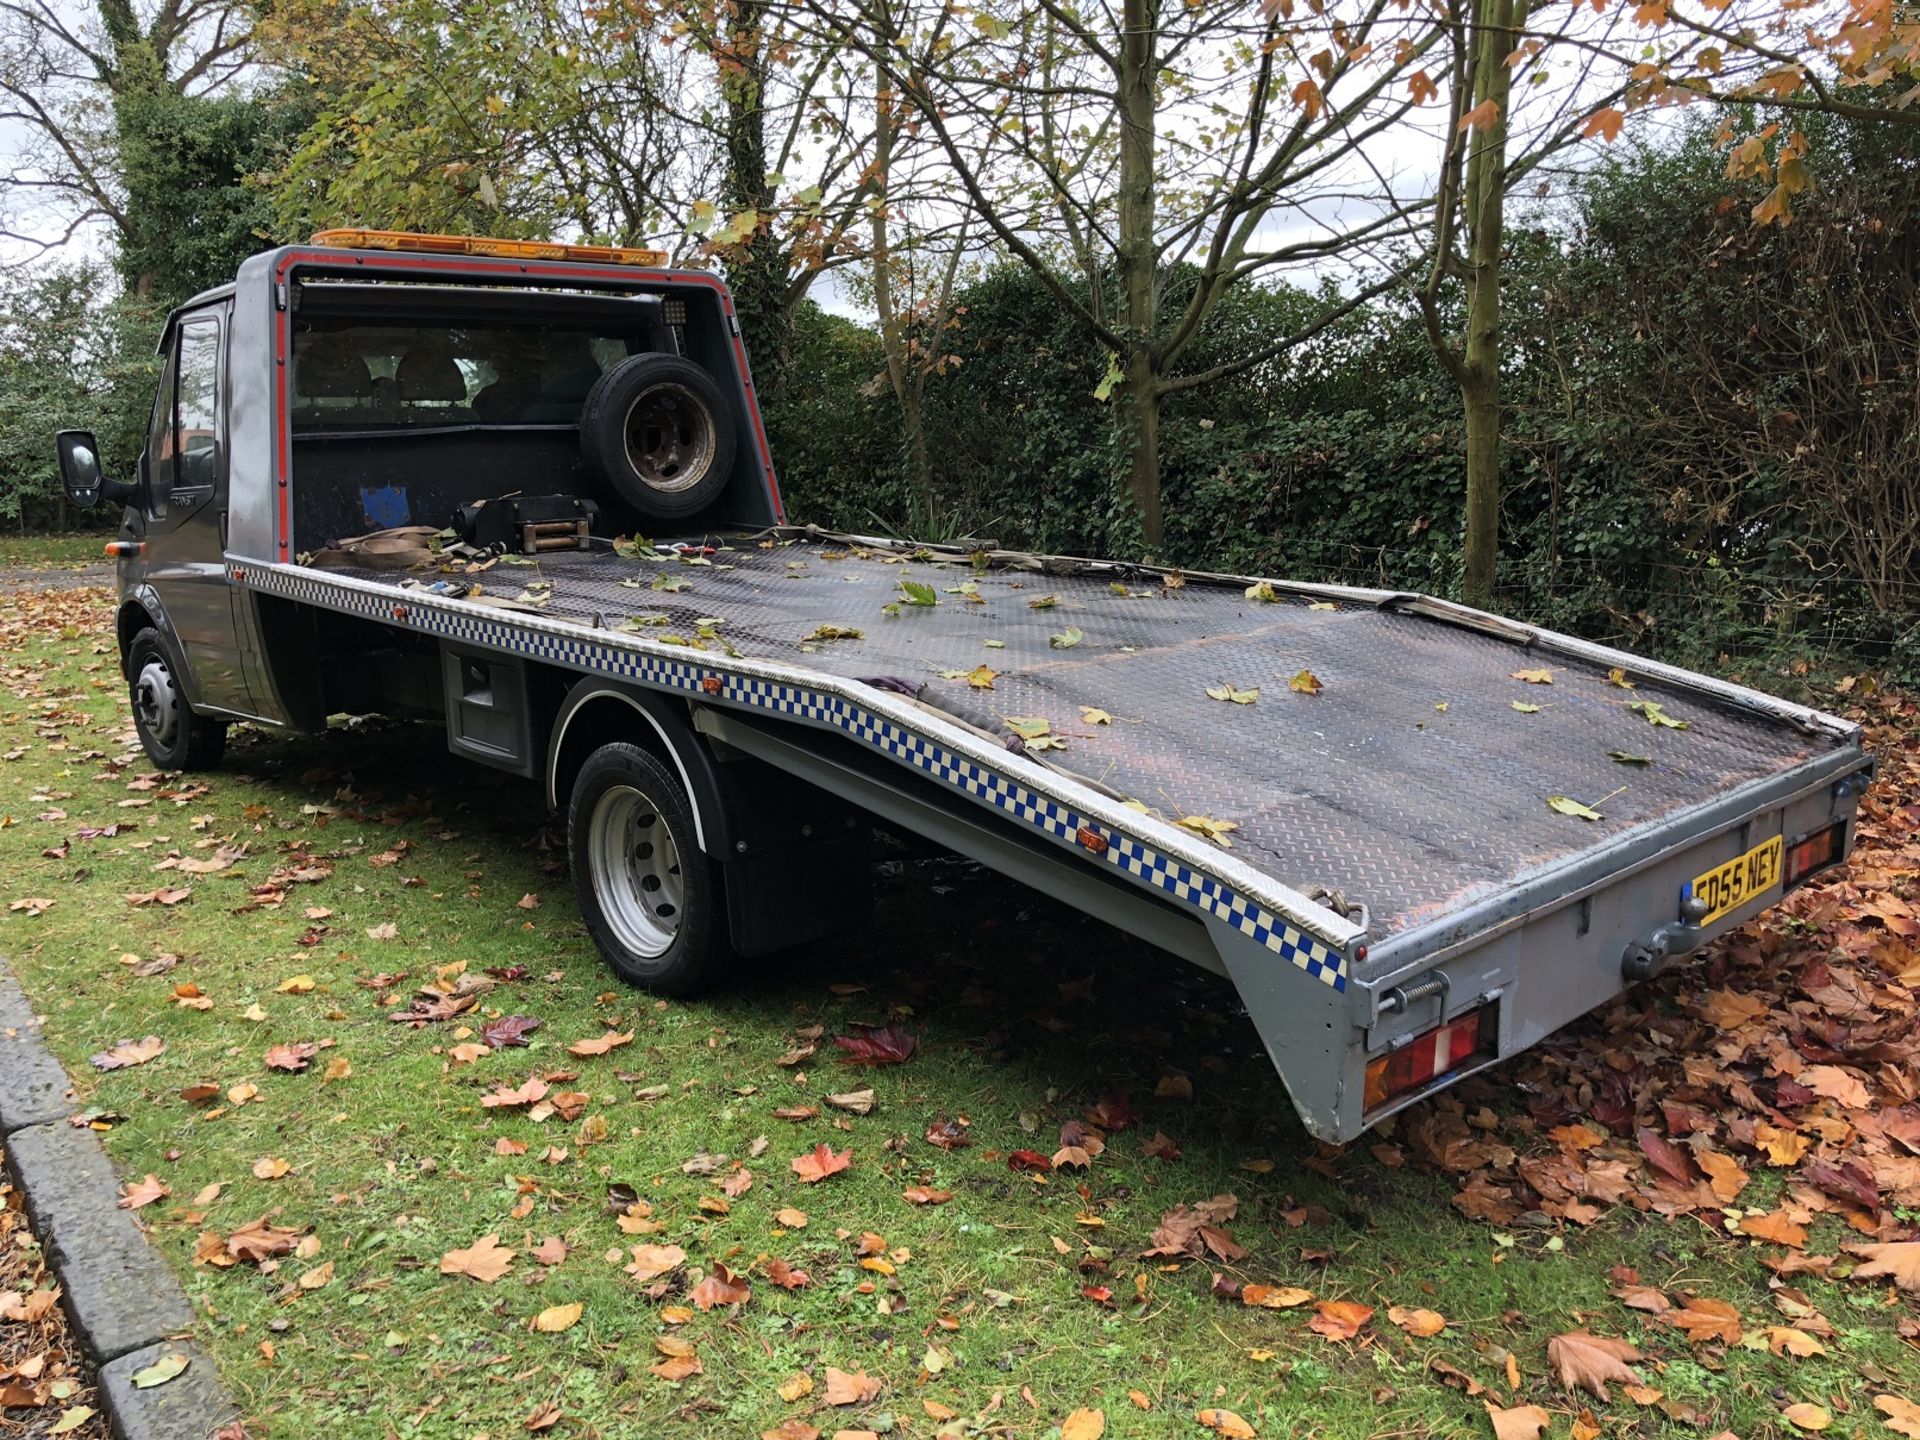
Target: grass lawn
x: 52, y: 552
x: 1002, y: 1310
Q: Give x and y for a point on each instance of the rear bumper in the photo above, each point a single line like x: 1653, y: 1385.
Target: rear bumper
x: 1535, y: 966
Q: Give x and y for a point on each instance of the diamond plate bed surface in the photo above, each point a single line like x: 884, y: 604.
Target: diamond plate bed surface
x: 1370, y: 788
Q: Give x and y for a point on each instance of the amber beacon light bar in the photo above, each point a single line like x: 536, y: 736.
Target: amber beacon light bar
x: 485, y: 245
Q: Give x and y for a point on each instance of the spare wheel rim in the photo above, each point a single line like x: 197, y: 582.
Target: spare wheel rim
x: 669, y: 435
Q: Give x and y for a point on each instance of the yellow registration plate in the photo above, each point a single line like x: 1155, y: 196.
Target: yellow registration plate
x: 1745, y: 877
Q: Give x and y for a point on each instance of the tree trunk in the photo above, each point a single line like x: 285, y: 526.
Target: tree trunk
x: 1486, y: 186
x: 913, y: 418
x: 757, y: 273
x: 1138, y: 254
x: 1142, y: 422
x: 904, y: 371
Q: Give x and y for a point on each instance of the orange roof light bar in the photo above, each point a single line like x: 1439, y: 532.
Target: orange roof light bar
x: 485, y: 245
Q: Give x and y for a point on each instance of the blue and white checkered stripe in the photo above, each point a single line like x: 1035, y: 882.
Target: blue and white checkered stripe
x: 538, y: 638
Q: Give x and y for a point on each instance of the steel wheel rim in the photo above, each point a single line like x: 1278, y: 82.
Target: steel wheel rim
x: 637, y: 879
x: 156, y: 704
x: 670, y: 437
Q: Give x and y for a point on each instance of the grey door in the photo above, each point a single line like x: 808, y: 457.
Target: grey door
x: 185, y: 468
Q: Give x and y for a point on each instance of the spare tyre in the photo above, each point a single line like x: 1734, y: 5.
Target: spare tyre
x: 656, y: 432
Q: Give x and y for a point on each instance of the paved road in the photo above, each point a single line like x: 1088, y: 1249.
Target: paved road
x: 69, y: 577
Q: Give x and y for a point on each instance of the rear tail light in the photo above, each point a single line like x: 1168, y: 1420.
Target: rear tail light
x: 1426, y: 1057
x: 1816, y: 852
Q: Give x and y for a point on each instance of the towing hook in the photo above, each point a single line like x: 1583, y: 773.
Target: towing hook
x: 1644, y: 959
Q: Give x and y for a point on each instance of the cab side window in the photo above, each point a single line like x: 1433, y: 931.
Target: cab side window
x: 197, y: 425
x: 159, y: 456
x: 184, y: 440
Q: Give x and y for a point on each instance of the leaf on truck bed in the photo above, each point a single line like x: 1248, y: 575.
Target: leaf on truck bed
x: 1561, y: 805
x: 1233, y: 694
x: 1651, y: 712
x: 1066, y: 639
x: 912, y: 592
x: 1534, y: 677
x: 1210, y: 828
x: 1305, y: 683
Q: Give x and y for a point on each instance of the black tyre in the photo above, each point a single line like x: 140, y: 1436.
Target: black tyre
x: 173, y: 736
x: 656, y: 432
x: 651, y: 899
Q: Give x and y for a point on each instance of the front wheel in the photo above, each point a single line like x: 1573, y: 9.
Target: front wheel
x: 650, y: 898
x: 172, y: 735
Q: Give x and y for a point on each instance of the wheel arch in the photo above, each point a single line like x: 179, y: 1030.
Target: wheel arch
x: 142, y: 610
x: 597, y: 712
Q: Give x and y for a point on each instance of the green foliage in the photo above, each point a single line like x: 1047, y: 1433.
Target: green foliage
x: 834, y: 430
x: 68, y: 361
x: 188, y: 164
x: 1711, y: 431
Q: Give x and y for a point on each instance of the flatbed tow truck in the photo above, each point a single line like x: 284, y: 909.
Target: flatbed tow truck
x: 404, y: 474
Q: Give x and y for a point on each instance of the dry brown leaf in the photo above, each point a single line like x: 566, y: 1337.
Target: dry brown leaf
x: 1227, y: 1423
x: 1804, y: 1416
x: 320, y: 1275
x: 795, y: 1387
x: 130, y: 1052
x: 1707, y: 1319
x: 136, y: 1193
x: 486, y: 1260
x: 601, y: 1044
x: 850, y: 1388
x: 1590, y: 1362
x: 1838, y: 1085
x: 651, y: 1261
x: 1522, y: 1422
x: 1340, y: 1319
x: 1777, y: 1228
x: 1274, y: 1297
x: 1898, y: 1261
x: 1084, y: 1425
x: 1903, y: 1416
x: 1723, y: 1173
x: 1417, y: 1322
x: 555, y: 1318
x: 721, y: 1287
x: 819, y: 1163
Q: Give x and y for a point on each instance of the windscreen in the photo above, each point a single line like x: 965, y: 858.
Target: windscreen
x: 351, y: 375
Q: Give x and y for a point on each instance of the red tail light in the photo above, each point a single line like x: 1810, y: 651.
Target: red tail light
x: 1425, y: 1058
x: 1816, y: 852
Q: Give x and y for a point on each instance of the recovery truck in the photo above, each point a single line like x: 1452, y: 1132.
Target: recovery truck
x: 404, y: 474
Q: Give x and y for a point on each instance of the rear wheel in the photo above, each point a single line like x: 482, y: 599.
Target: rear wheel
x: 650, y: 898
x: 172, y: 735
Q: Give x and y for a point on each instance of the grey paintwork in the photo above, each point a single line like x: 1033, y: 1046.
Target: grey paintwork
x: 1545, y: 950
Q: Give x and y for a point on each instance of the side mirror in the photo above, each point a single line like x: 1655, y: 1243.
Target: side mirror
x: 80, y: 473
